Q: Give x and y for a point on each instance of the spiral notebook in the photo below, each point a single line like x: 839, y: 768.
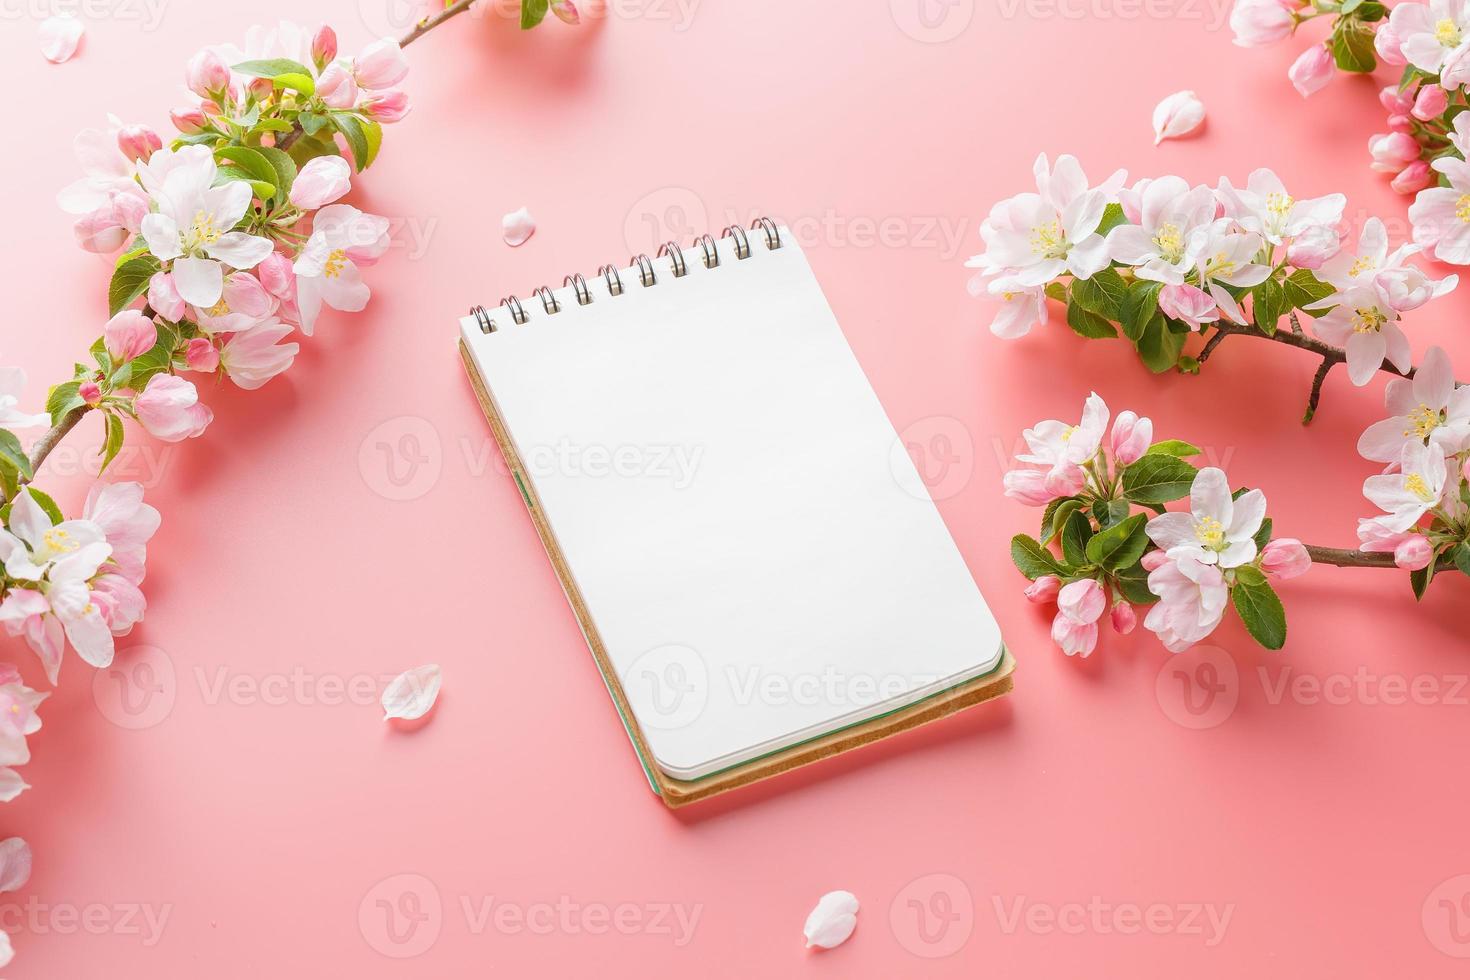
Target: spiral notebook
x: 754, y: 560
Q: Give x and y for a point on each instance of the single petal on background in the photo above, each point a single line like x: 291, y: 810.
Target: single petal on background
x: 412, y: 693
x: 832, y: 921
x: 517, y: 226
x: 60, y: 36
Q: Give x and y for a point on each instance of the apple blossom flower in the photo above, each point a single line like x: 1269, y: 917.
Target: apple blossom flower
x: 1314, y: 247
x: 1061, y: 450
x: 1413, y: 553
x: 31, y: 544
x: 1022, y: 307
x: 1036, y: 488
x: 381, y: 65
x: 206, y: 75
x: 60, y: 36
x: 337, y: 88
x: 128, y: 335
x: 1363, y: 321
x: 169, y: 408
x: 1429, y: 33
x: 165, y: 298
x: 254, y: 357
x: 12, y: 382
x: 1224, y: 258
x: 126, y: 522
x: 1177, y: 115
x: 1266, y: 207
x: 120, y: 602
x: 1044, y: 589
x: 1123, y: 617
x: 1189, y: 304
x: 107, y: 172
x: 1407, y: 287
x: 320, y: 182
x: 326, y: 269
x: 1083, y: 600
x: 1311, y: 72
x: 192, y: 227
x: 277, y: 276
x: 1074, y: 638
x: 1158, y: 245
x: 1431, y: 103
x: 1441, y: 215
x: 1388, y: 45
x: 1192, y: 601
x: 1034, y: 238
x: 1363, y: 265
x: 1392, y: 152
x: 1413, y: 178
x: 1258, y: 22
x: 1285, y: 558
x: 201, y: 355
x: 1130, y: 438
x: 243, y: 303
x: 26, y: 613
x: 1409, y: 494
x: 70, y: 599
x: 323, y: 47
x: 1397, y: 101
x: 1218, y: 530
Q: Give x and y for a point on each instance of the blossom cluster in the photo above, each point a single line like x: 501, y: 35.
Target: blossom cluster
x: 229, y: 239
x: 1163, y: 259
x: 1189, y: 567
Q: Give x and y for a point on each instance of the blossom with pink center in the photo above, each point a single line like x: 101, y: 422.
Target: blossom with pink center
x: 201, y: 355
x: 1188, y: 304
x: 169, y: 408
x: 1392, y: 152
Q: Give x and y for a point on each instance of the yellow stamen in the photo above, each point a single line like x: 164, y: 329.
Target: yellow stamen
x: 219, y: 309
x: 1280, y: 204
x: 332, y: 268
x: 1370, y: 320
x: 1170, y: 242
x: 1210, y: 532
x: 201, y: 231
x: 1422, y: 421
x: 1364, y: 263
x: 59, y: 540
x: 1462, y: 208
x: 1048, y: 241
x: 1414, y: 483
x: 1447, y: 32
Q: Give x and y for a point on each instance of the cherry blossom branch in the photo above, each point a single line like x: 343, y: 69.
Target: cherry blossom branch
x: 1346, y: 558
x: 429, y: 23
x: 55, y: 434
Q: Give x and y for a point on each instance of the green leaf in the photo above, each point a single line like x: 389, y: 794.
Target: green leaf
x: 63, y: 398
x: 533, y: 12
x: 1055, y: 517
x: 1112, y: 512
x: 1370, y: 11
x: 363, y: 136
x: 1158, y: 479
x: 1262, y: 537
x: 1133, y: 583
x: 1352, y: 46
x: 1462, y: 557
x: 48, y: 505
x: 1139, y: 305
x: 1088, y: 324
x: 12, y: 455
x: 129, y: 281
x: 312, y: 123
x: 155, y: 360
x: 283, y: 73
x: 1113, y: 216
x: 1102, y: 294
x: 1302, y: 289
x: 1160, y: 345
x: 282, y: 165
x: 1268, y: 304
x: 113, y: 442
x: 258, y: 188
x: 253, y: 165
x: 1259, y: 607
x: 1032, y: 559
x: 1174, y: 447
x: 1075, y: 535
x: 1419, y: 581
x: 1119, y: 546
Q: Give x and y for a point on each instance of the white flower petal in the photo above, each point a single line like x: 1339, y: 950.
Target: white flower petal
x: 7, y: 953
x: 517, y: 227
x: 60, y: 36
x: 15, y: 864
x: 832, y: 921
x: 199, y: 281
x: 412, y: 693
x: 1178, y: 115
x: 11, y: 785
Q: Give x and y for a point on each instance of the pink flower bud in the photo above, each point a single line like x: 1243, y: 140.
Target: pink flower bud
x: 1401, y: 124
x: 100, y: 231
x: 188, y: 120
x: 90, y: 393
x: 164, y: 298
x: 1029, y: 487
x: 337, y: 88
x: 565, y: 11
x: 323, y: 46
x: 1154, y: 560
x: 1395, y: 102
x: 1124, y: 618
x: 1066, y: 480
x: 322, y: 181
x: 128, y: 335
x: 1413, y: 553
x: 1285, y: 558
x: 130, y: 207
x: 1431, y: 103
x: 1413, y: 178
x: 1313, y: 70
x: 1313, y: 247
x: 1131, y: 437
x: 386, y: 107
x: 169, y: 408
x: 260, y: 89
x: 1190, y: 304
x: 1258, y: 22
x: 381, y: 65
x: 138, y: 142
x: 201, y: 355
x: 277, y: 275
x: 1388, y: 45
x: 206, y: 75
x: 1074, y: 638
x: 1082, y: 601
x: 1393, y: 152
x: 1044, y: 589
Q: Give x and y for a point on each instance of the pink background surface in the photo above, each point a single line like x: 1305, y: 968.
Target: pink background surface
x: 231, y: 772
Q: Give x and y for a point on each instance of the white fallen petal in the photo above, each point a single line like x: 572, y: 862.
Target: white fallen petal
x: 60, y: 36
x: 15, y: 864
x: 1178, y: 115
x: 11, y: 785
x: 412, y: 693
x: 832, y: 921
x: 517, y: 227
x: 6, y: 952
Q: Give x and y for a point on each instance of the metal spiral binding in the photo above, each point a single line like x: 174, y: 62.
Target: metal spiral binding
x: 647, y: 275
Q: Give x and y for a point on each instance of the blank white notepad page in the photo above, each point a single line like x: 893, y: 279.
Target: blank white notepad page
x: 755, y: 548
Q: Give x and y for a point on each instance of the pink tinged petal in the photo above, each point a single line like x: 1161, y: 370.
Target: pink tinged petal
x: 1313, y: 70
x: 832, y: 921
x: 1435, y: 379
x: 1129, y: 244
x: 164, y: 298
x: 1171, y: 530
x: 308, y: 302
x: 162, y: 235
x: 1074, y: 639
x: 1250, y: 510
x: 412, y: 693
x: 1044, y: 589
x: 381, y: 65
x: 169, y: 408
x: 1413, y: 553
x: 128, y: 335
x: 322, y: 181
x: 1383, y: 441
x: 254, y: 357
x: 1088, y: 257
x: 1082, y: 601
x: 1209, y: 497
x: 240, y: 250
x: 100, y: 232
x: 90, y: 637
x: 11, y: 786
x: 15, y: 864
x: 1396, y: 346
x: 1365, y: 354
x: 1398, y: 397
x: 1237, y: 553
x: 1124, y: 619
x: 1285, y: 558
x: 1177, y: 115
x: 60, y: 37
x: 337, y: 88
x: 201, y: 282
x: 346, y: 292
x: 517, y: 227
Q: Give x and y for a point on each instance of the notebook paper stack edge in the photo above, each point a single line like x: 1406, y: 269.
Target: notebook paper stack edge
x: 772, y: 300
